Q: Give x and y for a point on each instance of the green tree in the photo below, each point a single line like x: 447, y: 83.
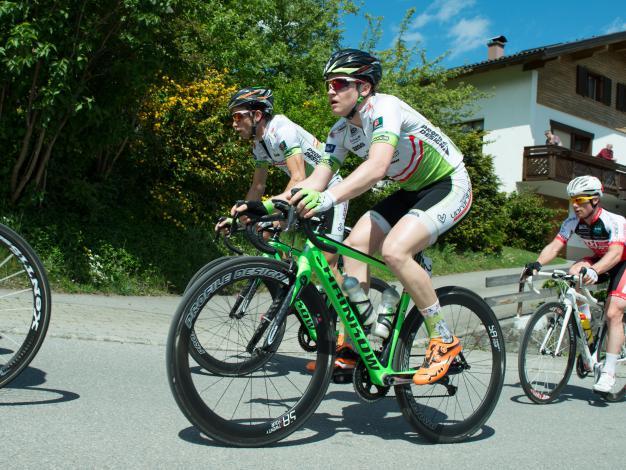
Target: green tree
x: 70, y: 69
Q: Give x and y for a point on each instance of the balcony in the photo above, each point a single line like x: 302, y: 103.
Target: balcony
x: 551, y: 162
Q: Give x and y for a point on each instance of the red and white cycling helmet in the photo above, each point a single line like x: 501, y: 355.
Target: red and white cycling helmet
x: 585, y: 186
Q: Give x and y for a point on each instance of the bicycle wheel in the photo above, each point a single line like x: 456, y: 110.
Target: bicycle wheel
x: 238, y: 323
x: 205, y: 269
x: 24, y: 304
x: 456, y: 406
x: 619, y: 389
x: 544, y: 371
x: 267, y: 403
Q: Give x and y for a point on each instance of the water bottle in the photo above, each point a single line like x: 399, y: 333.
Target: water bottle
x: 359, y: 299
x: 386, y: 311
x: 585, y: 322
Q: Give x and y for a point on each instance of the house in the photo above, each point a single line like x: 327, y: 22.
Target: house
x: 577, y: 89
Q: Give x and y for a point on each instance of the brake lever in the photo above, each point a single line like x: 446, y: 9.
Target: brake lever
x: 531, y: 285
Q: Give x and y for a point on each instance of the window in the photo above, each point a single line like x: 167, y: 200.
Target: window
x: 620, y: 102
x: 476, y: 125
x: 579, y: 140
x: 593, y: 85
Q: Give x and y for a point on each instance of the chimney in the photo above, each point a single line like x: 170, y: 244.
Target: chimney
x: 495, y: 47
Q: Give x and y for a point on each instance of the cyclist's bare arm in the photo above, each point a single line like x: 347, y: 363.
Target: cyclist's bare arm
x: 317, y: 180
x: 366, y: 175
x: 257, y: 189
x: 295, y: 165
x: 550, y: 251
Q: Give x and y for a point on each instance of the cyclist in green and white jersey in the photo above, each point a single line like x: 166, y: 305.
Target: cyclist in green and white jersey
x: 399, y: 143
x: 279, y: 142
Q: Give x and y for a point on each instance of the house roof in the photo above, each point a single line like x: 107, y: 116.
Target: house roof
x: 536, y: 57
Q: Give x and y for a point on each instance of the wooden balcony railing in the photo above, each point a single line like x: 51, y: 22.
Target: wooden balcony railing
x: 551, y: 162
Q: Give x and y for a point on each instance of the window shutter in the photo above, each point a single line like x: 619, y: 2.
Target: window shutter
x: 606, y: 91
x: 581, y: 81
x: 620, y: 102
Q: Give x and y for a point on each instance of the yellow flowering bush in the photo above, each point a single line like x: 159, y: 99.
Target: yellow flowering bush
x: 191, y: 156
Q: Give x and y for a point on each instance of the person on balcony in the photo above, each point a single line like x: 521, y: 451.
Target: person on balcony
x: 552, y: 139
x: 606, y: 152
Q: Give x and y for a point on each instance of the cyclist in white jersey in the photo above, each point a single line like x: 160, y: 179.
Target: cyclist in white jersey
x: 603, y: 232
x: 396, y: 142
x: 279, y: 142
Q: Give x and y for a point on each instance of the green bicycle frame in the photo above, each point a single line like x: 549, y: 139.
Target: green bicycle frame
x: 311, y: 260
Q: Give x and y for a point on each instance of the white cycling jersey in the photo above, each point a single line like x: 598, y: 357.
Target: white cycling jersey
x: 423, y: 154
x: 283, y: 139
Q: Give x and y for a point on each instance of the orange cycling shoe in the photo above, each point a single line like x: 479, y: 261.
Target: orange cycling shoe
x: 345, y: 359
x: 439, y: 356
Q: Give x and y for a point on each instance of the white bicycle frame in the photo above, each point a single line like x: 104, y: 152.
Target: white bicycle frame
x: 569, y: 298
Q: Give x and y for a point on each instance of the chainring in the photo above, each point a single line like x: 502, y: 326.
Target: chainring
x: 305, y: 340
x: 364, y: 387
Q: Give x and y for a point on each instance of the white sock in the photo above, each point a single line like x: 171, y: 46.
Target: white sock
x: 610, y: 363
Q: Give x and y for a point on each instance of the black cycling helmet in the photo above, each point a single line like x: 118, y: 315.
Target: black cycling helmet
x: 355, y: 63
x: 253, y: 98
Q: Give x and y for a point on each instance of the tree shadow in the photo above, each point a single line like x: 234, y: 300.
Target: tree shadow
x: 25, y: 384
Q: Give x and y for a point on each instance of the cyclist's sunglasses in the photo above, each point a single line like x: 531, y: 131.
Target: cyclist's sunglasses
x: 338, y: 84
x: 239, y: 115
x: 578, y: 200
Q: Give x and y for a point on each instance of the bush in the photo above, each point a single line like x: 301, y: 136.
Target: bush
x: 529, y: 223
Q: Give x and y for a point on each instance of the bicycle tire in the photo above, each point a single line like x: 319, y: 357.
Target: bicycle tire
x: 209, y: 362
x: 543, y: 372
x: 25, y: 304
x: 224, y: 408
x: 454, y: 411
x: 205, y: 269
x: 618, y: 392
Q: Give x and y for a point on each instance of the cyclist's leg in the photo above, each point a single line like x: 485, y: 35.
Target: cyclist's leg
x: 614, y: 311
x: 370, y: 231
x: 366, y: 236
x: 437, y: 208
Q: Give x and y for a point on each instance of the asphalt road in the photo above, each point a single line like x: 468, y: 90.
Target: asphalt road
x: 96, y: 396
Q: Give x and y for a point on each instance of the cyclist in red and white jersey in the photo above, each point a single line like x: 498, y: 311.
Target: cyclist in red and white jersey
x: 396, y: 142
x: 604, y: 233
x: 277, y: 141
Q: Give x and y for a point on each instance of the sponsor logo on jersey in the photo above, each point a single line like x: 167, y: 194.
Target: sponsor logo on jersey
x: 434, y: 138
x: 380, y: 138
x: 464, y: 203
x: 312, y: 155
x: 282, y: 146
x: 353, y: 130
x: 378, y: 122
x: 358, y: 147
x: 330, y: 148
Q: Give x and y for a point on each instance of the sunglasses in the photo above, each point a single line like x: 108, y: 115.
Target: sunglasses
x: 239, y: 115
x: 338, y: 84
x: 578, y: 200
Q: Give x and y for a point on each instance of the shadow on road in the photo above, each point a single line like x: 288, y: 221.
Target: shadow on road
x: 25, y: 390
x: 569, y: 392
x: 356, y: 418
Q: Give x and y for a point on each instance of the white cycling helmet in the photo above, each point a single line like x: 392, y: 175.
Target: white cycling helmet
x: 585, y: 186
